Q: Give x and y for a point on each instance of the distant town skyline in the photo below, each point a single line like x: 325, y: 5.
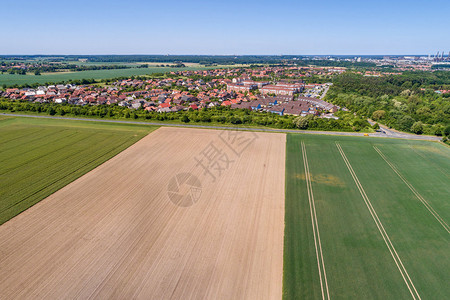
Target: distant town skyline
x: 225, y: 28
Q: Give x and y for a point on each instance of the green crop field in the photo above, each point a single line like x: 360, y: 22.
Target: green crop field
x: 366, y: 218
x: 40, y: 156
x: 11, y: 79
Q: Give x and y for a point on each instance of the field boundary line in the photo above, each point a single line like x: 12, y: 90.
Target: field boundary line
x: 315, y: 226
x: 385, y: 236
x: 416, y: 193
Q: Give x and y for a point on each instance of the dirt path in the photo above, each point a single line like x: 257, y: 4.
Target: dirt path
x: 115, y: 233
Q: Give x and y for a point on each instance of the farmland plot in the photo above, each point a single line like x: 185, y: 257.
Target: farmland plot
x: 183, y: 213
x: 366, y: 218
x: 38, y: 157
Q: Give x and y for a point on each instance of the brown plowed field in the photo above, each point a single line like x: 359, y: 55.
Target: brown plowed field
x: 115, y: 233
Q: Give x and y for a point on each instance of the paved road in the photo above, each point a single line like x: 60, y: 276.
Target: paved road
x: 325, y: 92
x: 388, y: 134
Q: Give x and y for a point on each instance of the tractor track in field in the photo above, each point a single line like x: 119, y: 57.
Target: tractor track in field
x: 406, y: 278
x: 415, y: 192
x: 315, y: 226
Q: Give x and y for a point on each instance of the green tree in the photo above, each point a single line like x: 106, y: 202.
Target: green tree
x: 51, y: 111
x: 235, y: 120
x: 184, y: 119
x: 446, y: 130
x: 405, y: 123
x: 60, y: 111
x: 417, y: 127
x: 303, y: 122
x: 378, y: 115
x: 358, y: 124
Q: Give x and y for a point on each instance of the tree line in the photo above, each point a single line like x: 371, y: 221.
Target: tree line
x: 215, y: 115
x: 406, y: 102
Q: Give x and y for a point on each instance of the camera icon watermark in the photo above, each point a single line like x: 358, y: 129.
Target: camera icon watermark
x: 184, y: 189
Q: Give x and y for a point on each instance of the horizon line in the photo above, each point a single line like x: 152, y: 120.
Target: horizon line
x: 140, y: 54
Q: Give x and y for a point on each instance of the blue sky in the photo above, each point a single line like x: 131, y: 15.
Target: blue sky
x: 224, y: 27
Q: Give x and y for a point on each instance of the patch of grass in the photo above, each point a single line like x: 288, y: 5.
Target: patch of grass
x: 357, y: 261
x: 40, y: 156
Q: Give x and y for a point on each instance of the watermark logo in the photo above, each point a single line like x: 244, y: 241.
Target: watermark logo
x: 237, y: 140
x: 184, y: 189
